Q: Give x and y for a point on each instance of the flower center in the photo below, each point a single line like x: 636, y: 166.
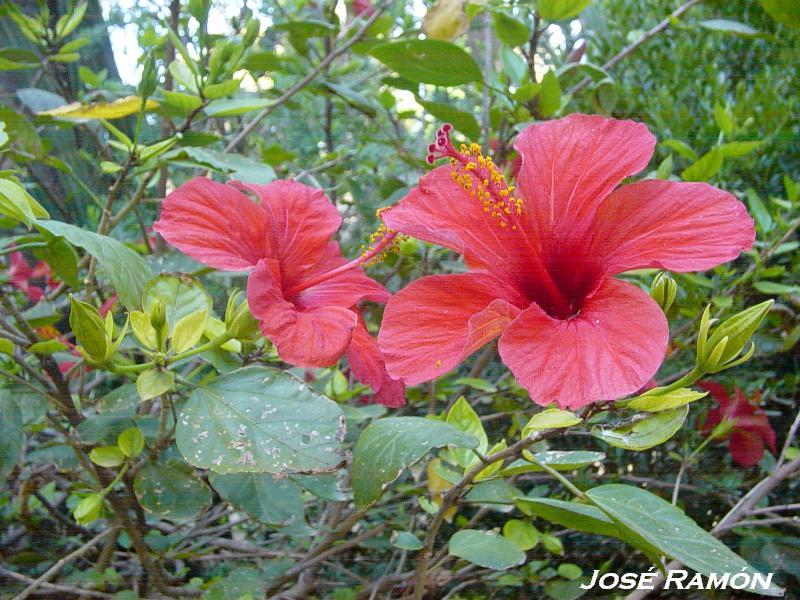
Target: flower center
x: 479, y: 177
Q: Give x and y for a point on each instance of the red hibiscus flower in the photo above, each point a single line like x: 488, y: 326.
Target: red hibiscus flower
x: 300, y: 288
x: 363, y: 7
x: 751, y: 430
x: 542, y: 259
x: 21, y: 274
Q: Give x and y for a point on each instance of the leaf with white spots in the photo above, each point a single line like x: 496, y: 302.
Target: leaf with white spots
x: 260, y: 420
x: 171, y: 491
x: 263, y: 496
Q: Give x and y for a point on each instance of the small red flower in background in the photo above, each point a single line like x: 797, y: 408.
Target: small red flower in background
x: 21, y: 274
x: 751, y: 430
x: 300, y: 288
x: 363, y: 7
x: 542, y: 260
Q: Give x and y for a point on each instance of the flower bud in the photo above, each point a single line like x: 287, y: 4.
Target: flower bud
x: 89, y: 329
x: 663, y: 290
x: 158, y: 319
x: 251, y: 32
x: 445, y: 20
x: 720, y: 350
x: 239, y: 321
x: 88, y: 509
x: 149, y: 80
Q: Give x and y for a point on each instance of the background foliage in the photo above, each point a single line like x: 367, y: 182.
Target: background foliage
x: 346, y: 97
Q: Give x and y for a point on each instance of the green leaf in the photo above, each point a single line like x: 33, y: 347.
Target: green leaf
x: 461, y: 120
x: 182, y: 103
x: 353, y: 98
x: 18, y: 204
x: 11, y: 433
x: 429, y: 61
x: 47, y: 347
x: 644, y: 434
x: 244, y: 583
x: 264, y: 497
x: 405, y: 541
x: 549, y: 94
x: 760, y: 213
x: 705, y: 167
x: 509, y: 30
x: 665, y: 168
x: 127, y: 270
x: 559, y: 10
x: 131, y: 442
x: 485, y: 550
x: 235, y: 106
x: 783, y: 11
x: 260, y: 420
x: 724, y: 119
x: 728, y: 26
x: 189, y: 330
x: 388, y: 446
x: 235, y: 166
x: 522, y: 533
x: 551, y: 418
x: 734, y: 149
x: 462, y: 416
x: 219, y: 90
x: 653, y: 401
x: 775, y: 289
x: 154, y: 382
x: 560, y: 460
x: 171, y: 491
x: 667, y: 528
x: 6, y: 347
x: 107, y: 456
x: 182, y: 296
x: 681, y: 148
x: 569, y: 571
x: 513, y: 65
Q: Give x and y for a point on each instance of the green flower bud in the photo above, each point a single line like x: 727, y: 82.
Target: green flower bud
x: 663, y: 290
x: 88, y: 509
x: 240, y: 323
x: 158, y: 319
x: 251, y: 32
x: 720, y: 350
x: 149, y: 80
x: 89, y: 329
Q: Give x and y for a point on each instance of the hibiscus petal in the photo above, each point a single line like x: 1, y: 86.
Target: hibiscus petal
x: 302, y: 221
x: 439, y: 211
x: 215, y: 224
x: 427, y: 328
x: 669, y: 225
x: 346, y: 290
x: 746, y: 447
x: 315, y: 337
x: 570, y: 165
x: 367, y: 365
x: 612, y: 348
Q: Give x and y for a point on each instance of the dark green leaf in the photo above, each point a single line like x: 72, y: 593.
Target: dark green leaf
x: 11, y: 435
x: 270, y: 500
x: 461, y: 120
x: 388, y: 446
x: 429, y: 61
x: 171, y: 491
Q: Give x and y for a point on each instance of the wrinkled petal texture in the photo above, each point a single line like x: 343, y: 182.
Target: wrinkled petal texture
x: 570, y: 165
x: 367, y: 365
x: 612, y: 348
x: 667, y: 225
x: 346, y: 289
x: 311, y: 338
x: 437, y: 321
x: 215, y: 224
x: 301, y: 222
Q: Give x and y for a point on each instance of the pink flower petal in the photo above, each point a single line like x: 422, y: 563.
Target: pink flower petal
x: 570, y: 165
x: 215, y: 224
x: 437, y: 321
x: 668, y: 225
x: 301, y: 221
x: 612, y: 348
x: 367, y: 365
x: 315, y: 337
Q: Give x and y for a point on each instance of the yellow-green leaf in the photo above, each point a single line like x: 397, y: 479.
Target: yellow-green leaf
x: 101, y: 110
